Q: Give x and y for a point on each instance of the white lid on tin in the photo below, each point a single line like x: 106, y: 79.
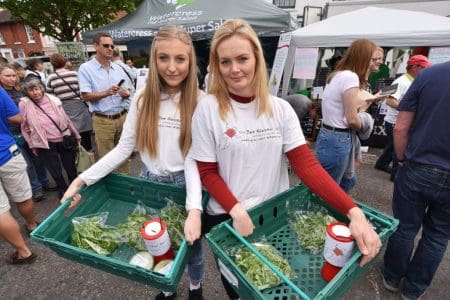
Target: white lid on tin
x: 153, y: 228
x: 341, y: 230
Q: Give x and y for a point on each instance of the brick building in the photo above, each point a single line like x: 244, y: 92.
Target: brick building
x: 17, y: 39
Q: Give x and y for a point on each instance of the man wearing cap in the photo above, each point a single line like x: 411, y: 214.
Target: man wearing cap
x: 414, y: 65
x: 422, y: 184
x: 103, y: 84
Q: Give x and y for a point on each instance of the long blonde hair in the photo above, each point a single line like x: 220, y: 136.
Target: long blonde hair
x: 218, y: 86
x: 149, y: 100
x: 356, y: 59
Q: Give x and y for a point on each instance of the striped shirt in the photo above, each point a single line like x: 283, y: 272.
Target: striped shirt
x: 61, y: 89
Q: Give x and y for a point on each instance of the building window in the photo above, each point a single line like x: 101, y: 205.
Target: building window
x: 2, y: 41
x: 30, y: 36
x: 284, y: 3
x: 20, y: 53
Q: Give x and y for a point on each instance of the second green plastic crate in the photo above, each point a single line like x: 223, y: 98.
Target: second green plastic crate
x: 271, y: 221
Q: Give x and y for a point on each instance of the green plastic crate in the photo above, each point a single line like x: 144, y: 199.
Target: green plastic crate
x: 118, y: 195
x: 271, y: 221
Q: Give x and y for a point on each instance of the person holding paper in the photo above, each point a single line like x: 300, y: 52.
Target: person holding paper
x: 414, y: 66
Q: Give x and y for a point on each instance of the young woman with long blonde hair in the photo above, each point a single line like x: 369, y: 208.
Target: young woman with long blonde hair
x: 241, y: 137
x: 158, y: 124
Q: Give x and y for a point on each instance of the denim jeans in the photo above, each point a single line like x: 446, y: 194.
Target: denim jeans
x: 35, y: 170
x: 333, y: 151
x: 196, y: 262
x: 421, y: 199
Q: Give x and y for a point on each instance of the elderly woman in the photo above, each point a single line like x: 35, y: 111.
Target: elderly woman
x: 44, y: 126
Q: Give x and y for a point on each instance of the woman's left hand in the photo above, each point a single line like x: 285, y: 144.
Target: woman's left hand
x: 366, y: 238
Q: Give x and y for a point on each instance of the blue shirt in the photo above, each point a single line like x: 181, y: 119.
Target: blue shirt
x: 7, y: 109
x: 93, y: 77
x: 429, y: 135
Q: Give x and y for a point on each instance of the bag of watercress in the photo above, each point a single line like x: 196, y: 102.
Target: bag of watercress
x: 130, y: 228
x: 174, y: 216
x: 90, y: 233
x: 310, y: 227
x: 256, y: 270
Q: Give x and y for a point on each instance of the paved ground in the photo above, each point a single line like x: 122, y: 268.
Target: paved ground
x: 52, y: 277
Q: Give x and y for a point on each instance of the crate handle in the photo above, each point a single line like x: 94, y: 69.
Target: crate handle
x: 373, y: 216
x: 266, y: 262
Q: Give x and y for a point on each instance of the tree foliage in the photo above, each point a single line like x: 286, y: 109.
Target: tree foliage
x: 64, y: 19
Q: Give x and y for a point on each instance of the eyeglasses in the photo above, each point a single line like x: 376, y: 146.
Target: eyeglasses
x: 108, y: 46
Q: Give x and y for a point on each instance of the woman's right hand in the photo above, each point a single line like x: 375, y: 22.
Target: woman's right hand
x: 72, y: 192
x: 241, y: 220
x: 193, y: 226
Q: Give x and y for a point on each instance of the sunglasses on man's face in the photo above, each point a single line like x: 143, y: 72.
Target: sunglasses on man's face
x: 108, y: 46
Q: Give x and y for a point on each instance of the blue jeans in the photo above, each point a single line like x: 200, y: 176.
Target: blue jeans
x: 421, y: 199
x: 35, y: 170
x: 196, y: 262
x: 333, y: 151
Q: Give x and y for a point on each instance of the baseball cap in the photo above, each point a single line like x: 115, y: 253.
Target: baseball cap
x: 419, y: 60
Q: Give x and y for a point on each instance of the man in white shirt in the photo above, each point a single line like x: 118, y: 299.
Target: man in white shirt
x: 414, y: 65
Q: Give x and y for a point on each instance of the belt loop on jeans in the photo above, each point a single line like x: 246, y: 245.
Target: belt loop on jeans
x: 116, y: 116
x: 335, y: 128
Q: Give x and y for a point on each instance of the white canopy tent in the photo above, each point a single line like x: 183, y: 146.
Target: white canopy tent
x: 385, y: 27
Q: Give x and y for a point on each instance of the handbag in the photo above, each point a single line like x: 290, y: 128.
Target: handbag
x: 83, y: 159
x: 69, y: 141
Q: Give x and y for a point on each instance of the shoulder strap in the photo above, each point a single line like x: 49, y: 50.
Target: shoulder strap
x: 53, y: 121
x: 128, y: 74
x: 73, y: 90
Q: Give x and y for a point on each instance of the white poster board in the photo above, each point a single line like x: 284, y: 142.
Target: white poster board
x: 278, y: 62
x: 305, y: 63
x: 141, y: 78
x: 439, y: 55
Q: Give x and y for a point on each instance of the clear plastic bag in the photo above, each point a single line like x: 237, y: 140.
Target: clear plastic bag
x: 130, y: 228
x: 90, y: 232
x: 174, y: 216
x: 310, y: 226
x: 256, y: 270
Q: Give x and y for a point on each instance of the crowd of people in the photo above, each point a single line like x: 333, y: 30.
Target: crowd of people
x: 218, y: 140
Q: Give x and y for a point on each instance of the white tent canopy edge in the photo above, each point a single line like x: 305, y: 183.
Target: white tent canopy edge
x: 385, y: 27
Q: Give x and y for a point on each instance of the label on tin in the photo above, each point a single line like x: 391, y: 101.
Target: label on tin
x: 160, y: 245
x: 338, y: 252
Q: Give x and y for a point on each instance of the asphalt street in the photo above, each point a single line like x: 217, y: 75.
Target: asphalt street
x: 53, y: 277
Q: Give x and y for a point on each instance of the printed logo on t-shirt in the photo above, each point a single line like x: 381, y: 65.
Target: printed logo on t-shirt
x: 169, y: 122
x: 252, y: 135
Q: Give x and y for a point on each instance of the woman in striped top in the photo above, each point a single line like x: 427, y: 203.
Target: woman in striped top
x: 64, y: 84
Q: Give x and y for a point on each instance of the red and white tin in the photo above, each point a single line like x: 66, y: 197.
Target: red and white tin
x: 156, y: 237
x: 338, y: 244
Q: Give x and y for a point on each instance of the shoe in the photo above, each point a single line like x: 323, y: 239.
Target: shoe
x: 196, y: 294
x: 13, y: 259
x: 410, y: 297
x: 386, y: 169
x: 49, y: 188
x: 390, y: 285
x: 161, y: 296
x: 38, y: 196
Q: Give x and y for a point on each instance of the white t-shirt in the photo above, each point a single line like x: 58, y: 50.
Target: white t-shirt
x: 249, y: 150
x: 170, y: 159
x: 333, y: 98
x: 404, y: 82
